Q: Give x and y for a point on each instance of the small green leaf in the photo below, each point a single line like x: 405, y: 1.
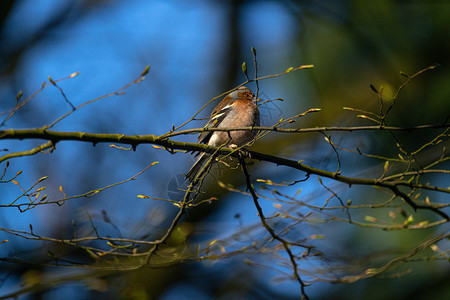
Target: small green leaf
x: 408, y: 221
x: 19, y: 95
x: 392, y: 214
x: 249, y: 262
x: 42, y: 179
x: 51, y: 80
x: 74, y: 74
x: 423, y: 223
x: 147, y: 68
x: 244, y: 68
x: 371, y: 271
x: 370, y: 219
x: 289, y: 70
x: 317, y: 237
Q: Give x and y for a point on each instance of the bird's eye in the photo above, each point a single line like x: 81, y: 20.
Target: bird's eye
x: 248, y: 95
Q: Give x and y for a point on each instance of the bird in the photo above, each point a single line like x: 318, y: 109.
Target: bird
x: 237, y: 109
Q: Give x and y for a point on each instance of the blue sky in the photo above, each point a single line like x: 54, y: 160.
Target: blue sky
x: 110, y: 46
x: 184, y: 42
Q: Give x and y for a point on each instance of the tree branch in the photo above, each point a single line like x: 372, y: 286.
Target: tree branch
x: 134, y: 140
x: 286, y: 245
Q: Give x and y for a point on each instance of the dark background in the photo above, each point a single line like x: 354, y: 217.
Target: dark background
x: 195, y: 50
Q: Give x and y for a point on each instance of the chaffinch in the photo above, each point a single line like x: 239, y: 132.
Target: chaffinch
x: 237, y: 109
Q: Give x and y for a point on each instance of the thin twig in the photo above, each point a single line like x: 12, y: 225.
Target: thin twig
x: 286, y: 245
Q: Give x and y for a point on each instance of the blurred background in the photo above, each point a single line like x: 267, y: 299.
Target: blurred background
x: 195, y: 50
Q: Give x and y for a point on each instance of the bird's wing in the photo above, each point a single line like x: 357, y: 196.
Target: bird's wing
x: 214, y: 122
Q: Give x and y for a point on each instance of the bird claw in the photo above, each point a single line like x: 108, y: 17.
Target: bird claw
x: 243, y: 153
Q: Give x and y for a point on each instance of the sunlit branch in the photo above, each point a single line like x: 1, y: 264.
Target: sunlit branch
x: 135, y: 140
x: 33, y: 151
x: 289, y: 70
x: 20, y: 104
x: 372, y: 272
x: 29, y: 205
x: 118, y: 92
x: 307, y: 130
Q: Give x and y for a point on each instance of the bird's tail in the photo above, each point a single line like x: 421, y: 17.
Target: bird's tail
x: 196, y: 167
